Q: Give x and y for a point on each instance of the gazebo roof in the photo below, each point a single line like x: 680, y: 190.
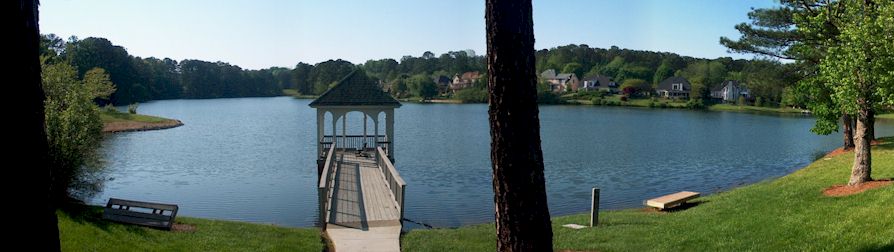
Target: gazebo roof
x: 355, y: 89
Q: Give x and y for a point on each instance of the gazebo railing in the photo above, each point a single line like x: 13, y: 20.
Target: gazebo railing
x: 353, y: 142
x: 324, y: 189
x: 395, y: 183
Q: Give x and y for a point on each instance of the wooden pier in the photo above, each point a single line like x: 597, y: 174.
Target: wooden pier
x: 361, y: 194
x: 361, y: 198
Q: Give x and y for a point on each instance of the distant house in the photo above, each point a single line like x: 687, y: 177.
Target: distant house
x: 730, y: 91
x: 466, y: 80
x: 599, y: 83
x: 559, y: 83
x: 674, y: 87
x: 443, y: 83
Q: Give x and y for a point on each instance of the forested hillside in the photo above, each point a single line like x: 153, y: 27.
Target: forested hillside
x: 141, y: 79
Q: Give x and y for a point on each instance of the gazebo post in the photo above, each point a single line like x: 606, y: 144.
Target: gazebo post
x: 376, y: 132
x: 389, y: 124
x: 320, y: 129
x: 334, y: 124
x: 363, y: 114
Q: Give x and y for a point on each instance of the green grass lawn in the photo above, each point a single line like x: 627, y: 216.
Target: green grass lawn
x: 737, y: 108
x: 82, y: 229
x: 114, y: 116
x: 294, y: 93
x: 785, y: 214
x: 886, y: 116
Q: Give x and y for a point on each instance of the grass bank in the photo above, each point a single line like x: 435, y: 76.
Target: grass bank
x: 785, y: 214
x: 615, y: 100
x: 296, y: 94
x: 115, y: 121
x: 737, y: 108
x: 82, y: 229
x: 887, y: 116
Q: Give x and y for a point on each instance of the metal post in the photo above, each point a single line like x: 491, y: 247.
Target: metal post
x: 594, y: 208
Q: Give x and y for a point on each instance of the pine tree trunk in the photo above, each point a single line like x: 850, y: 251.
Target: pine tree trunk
x: 862, y: 169
x: 522, y: 215
x: 29, y: 149
x: 848, y: 123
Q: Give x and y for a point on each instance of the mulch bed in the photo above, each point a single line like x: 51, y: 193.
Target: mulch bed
x: 841, y: 150
x: 845, y: 190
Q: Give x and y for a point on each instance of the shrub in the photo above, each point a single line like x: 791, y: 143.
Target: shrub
x: 759, y: 102
x: 624, y: 98
x: 109, y: 108
x: 695, y: 104
x: 596, y: 100
x: 471, y: 95
x: 74, y: 129
x: 547, y: 97
x: 132, y: 108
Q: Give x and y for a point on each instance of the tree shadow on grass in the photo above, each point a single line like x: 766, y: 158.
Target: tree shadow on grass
x: 879, y: 248
x: 92, y: 215
x: 680, y: 208
x: 687, y: 206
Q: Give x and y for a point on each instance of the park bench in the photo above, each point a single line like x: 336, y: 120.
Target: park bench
x: 140, y: 213
x: 671, y: 200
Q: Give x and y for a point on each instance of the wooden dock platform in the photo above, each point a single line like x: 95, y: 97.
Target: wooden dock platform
x: 363, y: 206
x: 671, y: 200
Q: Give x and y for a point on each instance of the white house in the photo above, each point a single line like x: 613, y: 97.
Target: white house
x: 730, y: 91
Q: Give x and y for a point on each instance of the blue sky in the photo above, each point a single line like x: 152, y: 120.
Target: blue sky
x: 259, y: 34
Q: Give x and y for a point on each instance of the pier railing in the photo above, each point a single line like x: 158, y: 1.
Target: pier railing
x: 353, y: 142
x: 392, y: 177
x: 325, y: 188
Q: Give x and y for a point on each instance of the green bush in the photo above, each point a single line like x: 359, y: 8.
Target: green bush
x: 132, y: 108
x: 110, y: 109
x: 74, y: 128
x: 596, y: 100
x: 547, y: 97
x: 759, y: 102
x: 471, y: 95
x: 695, y: 104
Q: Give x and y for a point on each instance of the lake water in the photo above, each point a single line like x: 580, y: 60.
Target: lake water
x: 253, y: 159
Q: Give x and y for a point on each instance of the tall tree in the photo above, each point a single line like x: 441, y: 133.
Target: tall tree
x: 858, y: 67
x: 773, y: 33
x: 522, y: 215
x: 29, y: 148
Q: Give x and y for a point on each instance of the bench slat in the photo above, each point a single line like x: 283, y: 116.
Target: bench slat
x: 136, y: 214
x: 132, y: 203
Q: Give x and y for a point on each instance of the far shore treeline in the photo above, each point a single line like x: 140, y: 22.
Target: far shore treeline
x: 142, y: 79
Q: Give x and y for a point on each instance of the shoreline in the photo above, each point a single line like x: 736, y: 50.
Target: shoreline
x: 805, y: 200
x: 118, y: 122
x: 133, y: 126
